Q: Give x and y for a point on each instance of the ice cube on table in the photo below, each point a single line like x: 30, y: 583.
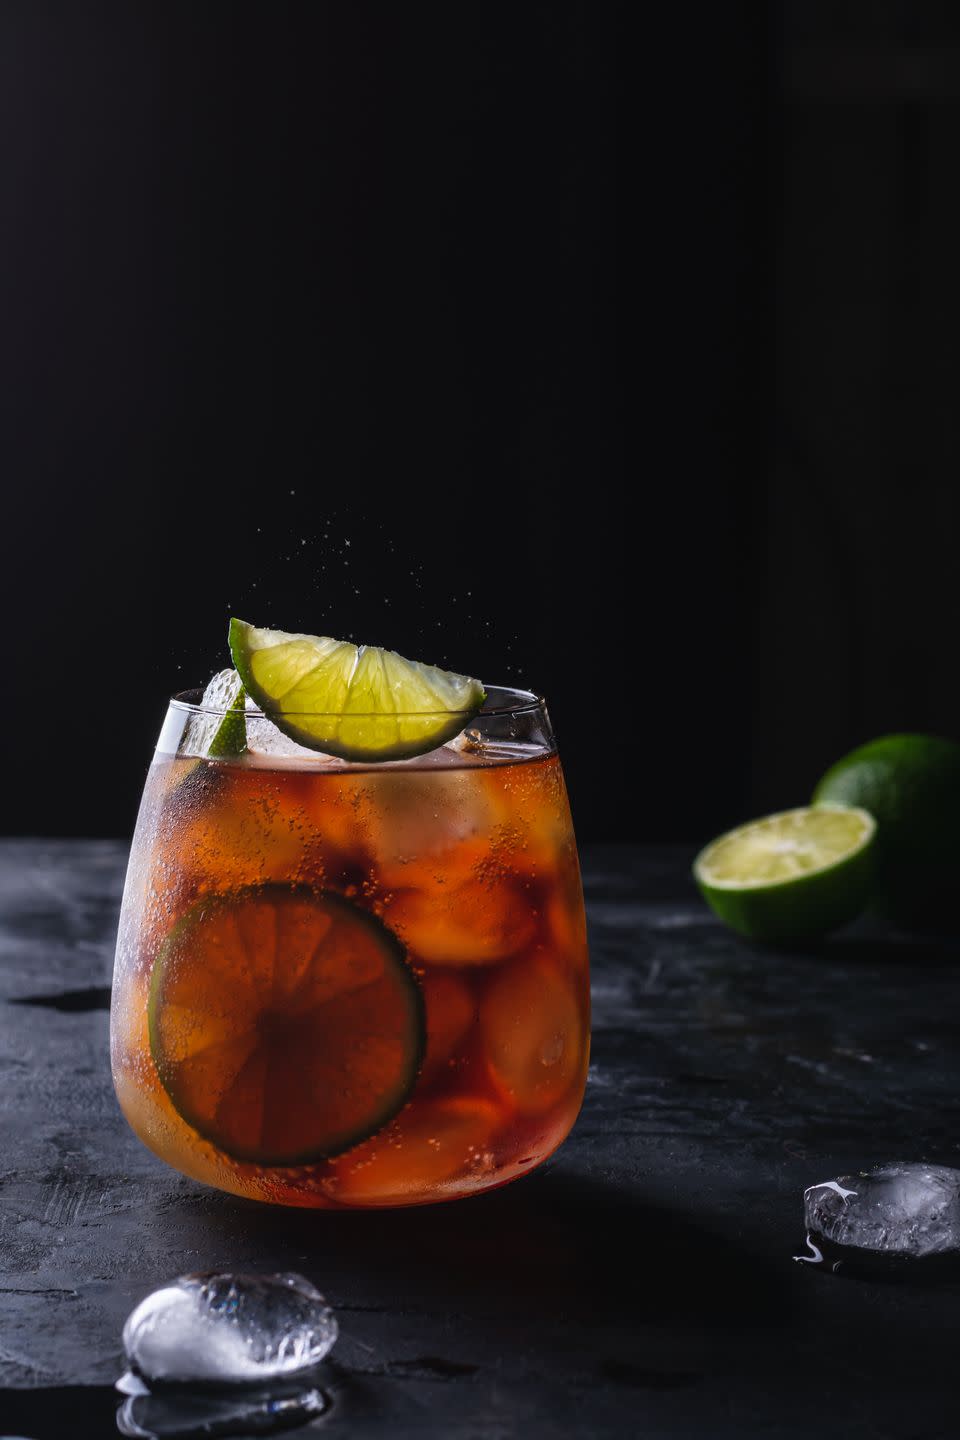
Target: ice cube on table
x: 229, y: 1329
x: 894, y: 1209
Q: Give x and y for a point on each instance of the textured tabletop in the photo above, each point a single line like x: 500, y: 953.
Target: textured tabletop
x: 639, y: 1285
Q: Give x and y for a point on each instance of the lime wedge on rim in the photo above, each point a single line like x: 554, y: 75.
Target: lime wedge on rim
x: 791, y: 876
x: 355, y: 701
x: 217, y: 727
x: 230, y: 737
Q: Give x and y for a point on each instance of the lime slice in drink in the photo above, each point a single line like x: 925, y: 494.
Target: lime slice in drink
x: 285, y: 1024
x: 792, y: 876
x: 355, y: 701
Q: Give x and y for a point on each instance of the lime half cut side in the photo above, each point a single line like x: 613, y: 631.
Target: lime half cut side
x: 791, y: 876
x: 355, y: 701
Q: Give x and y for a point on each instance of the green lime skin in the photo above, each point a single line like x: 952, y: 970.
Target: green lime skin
x: 230, y: 737
x: 801, y: 910
x: 911, y: 786
x: 374, y: 730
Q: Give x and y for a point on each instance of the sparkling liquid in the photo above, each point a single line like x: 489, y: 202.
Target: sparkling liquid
x: 467, y: 866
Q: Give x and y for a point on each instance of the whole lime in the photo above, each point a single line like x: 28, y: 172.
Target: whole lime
x: 910, y: 784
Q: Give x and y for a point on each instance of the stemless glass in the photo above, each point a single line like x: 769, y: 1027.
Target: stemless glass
x: 353, y: 985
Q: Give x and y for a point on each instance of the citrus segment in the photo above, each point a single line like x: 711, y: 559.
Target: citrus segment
x: 357, y: 702
x: 285, y: 1024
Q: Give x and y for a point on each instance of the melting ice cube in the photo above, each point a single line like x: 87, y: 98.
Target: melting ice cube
x: 229, y: 1329
x: 896, y: 1209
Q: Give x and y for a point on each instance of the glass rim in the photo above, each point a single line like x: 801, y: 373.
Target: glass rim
x: 522, y: 702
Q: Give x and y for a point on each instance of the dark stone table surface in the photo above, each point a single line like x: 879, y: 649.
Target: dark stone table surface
x: 639, y: 1285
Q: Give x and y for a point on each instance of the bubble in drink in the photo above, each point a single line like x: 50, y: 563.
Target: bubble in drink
x: 345, y: 984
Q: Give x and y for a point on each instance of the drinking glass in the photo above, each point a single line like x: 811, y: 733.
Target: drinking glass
x: 346, y: 985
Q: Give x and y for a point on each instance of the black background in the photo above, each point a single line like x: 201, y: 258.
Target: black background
x: 623, y: 356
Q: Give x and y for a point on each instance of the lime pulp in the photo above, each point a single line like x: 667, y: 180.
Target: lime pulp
x: 791, y: 876
x: 354, y: 701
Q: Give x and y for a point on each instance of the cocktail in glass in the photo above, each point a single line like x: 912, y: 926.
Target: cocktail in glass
x: 353, y: 985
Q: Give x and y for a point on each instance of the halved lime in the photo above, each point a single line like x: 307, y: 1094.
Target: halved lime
x: 792, y: 876
x: 355, y: 701
x: 285, y: 1024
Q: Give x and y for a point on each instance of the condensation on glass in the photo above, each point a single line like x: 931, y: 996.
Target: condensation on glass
x: 344, y: 985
